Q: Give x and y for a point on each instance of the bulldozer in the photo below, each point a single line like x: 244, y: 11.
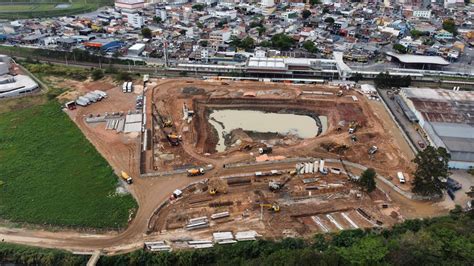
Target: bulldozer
x: 167, y: 123
x: 217, y: 185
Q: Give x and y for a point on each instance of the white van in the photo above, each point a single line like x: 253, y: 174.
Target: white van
x: 401, y: 177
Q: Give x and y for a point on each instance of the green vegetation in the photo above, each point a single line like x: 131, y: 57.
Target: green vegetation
x: 199, y: 7
x: 76, y: 55
x: 385, y: 81
x: 24, y: 255
x: 450, y: 26
x: 310, y: 47
x: 432, y: 167
x: 367, y: 180
x: 146, y: 32
x: 282, y: 41
x: 329, y: 20
x: 246, y: 43
x: 53, y: 176
x: 400, y: 48
x: 306, y: 14
x: 37, y: 8
x: 437, y: 241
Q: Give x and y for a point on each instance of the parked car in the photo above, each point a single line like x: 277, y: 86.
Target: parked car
x: 421, y: 144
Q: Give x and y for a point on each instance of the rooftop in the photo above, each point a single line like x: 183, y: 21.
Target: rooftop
x: 419, y: 59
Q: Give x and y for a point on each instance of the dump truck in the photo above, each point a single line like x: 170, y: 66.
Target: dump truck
x: 126, y: 178
x: 196, y: 171
x: 265, y: 150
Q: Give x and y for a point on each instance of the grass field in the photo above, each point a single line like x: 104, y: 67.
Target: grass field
x: 19, y: 9
x: 52, y: 175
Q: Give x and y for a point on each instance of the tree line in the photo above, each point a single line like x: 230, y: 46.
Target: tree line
x: 441, y: 241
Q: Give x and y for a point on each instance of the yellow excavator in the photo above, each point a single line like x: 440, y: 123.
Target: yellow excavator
x: 272, y: 207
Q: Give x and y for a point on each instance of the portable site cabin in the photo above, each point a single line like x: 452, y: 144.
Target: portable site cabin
x: 101, y: 93
x: 82, y: 101
x: 91, y: 97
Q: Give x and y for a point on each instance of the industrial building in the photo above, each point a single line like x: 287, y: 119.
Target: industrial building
x: 16, y: 85
x: 447, y: 118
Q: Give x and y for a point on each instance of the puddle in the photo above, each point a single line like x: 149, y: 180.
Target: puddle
x: 302, y: 126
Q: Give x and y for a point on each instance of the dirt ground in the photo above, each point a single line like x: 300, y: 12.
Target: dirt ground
x: 303, y: 210
x: 199, y: 138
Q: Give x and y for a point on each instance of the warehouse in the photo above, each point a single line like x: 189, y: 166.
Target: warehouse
x: 447, y: 118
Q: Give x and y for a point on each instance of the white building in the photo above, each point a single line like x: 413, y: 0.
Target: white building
x: 130, y: 4
x: 136, y: 49
x: 161, y: 13
x: 422, y: 13
x: 204, y: 55
x: 135, y: 20
x: 268, y: 3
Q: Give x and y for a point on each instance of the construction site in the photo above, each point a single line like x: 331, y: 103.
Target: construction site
x: 202, y: 123
x: 212, y: 161
x: 255, y: 156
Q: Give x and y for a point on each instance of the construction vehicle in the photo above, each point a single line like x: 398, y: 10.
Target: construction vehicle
x: 167, y: 123
x: 173, y: 139
x: 126, y: 177
x: 277, y: 185
x: 196, y: 171
x: 339, y: 93
x: 353, y: 127
x: 271, y: 207
x: 265, y: 150
x: 217, y: 185
x: 373, y: 150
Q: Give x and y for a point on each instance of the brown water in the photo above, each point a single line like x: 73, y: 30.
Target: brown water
x: 224, y: 121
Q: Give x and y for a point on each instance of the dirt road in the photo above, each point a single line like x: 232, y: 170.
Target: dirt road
x: 122, y: 153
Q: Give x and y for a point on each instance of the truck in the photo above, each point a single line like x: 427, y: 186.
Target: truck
x: 196, y: 171
x: 401, y: 177
x: 323, y: 170
x: 265, y: 150
x: 70, y: 105
x: 173, y: 139
x: 373, y: 150
x: 126, y: 177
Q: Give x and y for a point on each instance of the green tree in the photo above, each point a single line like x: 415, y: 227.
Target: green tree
x: 282, y: 41
x: 261, y: 30
x: 329, y: 20
x: 204, y: 43
x: 367, y: 179
x: 314, y: 2
x: 199, y: 7
x: 305, y: 13
x: 310, y: 47
x: 367, y: 251
x: 97, y: 74
x: 157, y: 20
x: 400, y: 48
x: 416, y: 33
x: 146, y: 32
x: 450, y: 26
x: 432, y: 168
x: 247, y: 43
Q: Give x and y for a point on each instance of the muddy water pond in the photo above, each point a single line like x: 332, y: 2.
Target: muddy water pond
x: 300, y: 125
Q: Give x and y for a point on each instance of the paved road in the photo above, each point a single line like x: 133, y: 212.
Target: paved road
x: 408, y: 127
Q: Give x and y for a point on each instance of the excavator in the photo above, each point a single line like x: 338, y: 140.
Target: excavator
x: 271, y: 207
x: 217, y: 185
x: 277, y: 185
x: 353, y: 126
